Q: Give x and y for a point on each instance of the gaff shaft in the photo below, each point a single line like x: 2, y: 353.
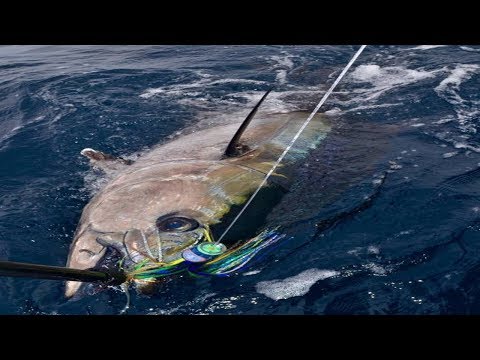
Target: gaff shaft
x: 17, y: 269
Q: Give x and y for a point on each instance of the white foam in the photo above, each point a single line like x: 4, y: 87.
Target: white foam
x: 372, y: 106
x: 443, y: 121
x: 425, y: 47
x: 253, y: 272
x: 449, y: 154
x: 285, y: 63
x: 200, y: 85
x: 354, y: 251
x: 449, y: 90
x: 281, y: 76
x: 275, y: 102
x: 297, y: 285
x: 386, y: 78
x: 394, y: 165
x: 376, y: 269
x: 373, y: 250
x: 461, y: 73
x: 285, y: 60
x: 333, y: 111
x: 151, y: 92
x: 390, y: 75
x: 460, y: 145
x: 468, y: 48
x: 236, y: 81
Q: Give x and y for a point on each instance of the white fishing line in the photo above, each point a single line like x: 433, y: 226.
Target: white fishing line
x: 324, y: 98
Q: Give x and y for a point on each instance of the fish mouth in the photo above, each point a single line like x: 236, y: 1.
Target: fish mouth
x: 148, y: 248
x: 125, y: 250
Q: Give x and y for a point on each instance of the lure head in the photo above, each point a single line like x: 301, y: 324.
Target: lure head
x: 203, y: 252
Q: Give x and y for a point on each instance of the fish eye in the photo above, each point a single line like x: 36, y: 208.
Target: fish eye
x: 176, y: 224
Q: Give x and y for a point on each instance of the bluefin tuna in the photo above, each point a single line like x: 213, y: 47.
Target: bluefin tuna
x: 169, y: 199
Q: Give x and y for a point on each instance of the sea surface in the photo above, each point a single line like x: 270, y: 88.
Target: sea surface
x: 382, y: 218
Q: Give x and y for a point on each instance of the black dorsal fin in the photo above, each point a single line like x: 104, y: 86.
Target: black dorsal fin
x: 234, y: 148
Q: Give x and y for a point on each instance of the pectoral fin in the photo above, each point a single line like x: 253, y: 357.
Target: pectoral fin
x: 104, y: 161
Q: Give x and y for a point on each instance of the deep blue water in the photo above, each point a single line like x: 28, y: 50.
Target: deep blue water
x: 407, y: 245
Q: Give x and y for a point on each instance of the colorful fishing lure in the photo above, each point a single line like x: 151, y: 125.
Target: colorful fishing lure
x: 233, y: 260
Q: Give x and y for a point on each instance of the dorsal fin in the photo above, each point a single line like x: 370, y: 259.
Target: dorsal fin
x: 235, y: 148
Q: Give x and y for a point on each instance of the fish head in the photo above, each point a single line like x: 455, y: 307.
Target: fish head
x: 148, y: 223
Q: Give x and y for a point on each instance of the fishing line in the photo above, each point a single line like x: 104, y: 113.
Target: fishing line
x: 324, y: 98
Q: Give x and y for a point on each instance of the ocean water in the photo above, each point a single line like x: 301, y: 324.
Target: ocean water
x: 382, y: 218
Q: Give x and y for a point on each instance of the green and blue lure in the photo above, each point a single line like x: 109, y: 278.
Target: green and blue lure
x: 234, y: 260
